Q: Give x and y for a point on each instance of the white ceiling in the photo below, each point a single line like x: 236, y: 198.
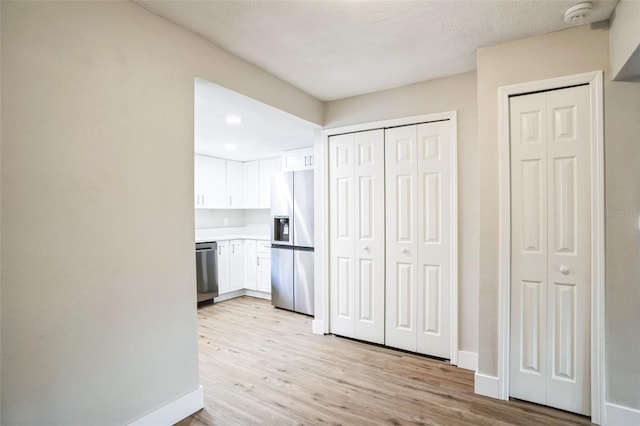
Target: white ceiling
x: 338, y: 49
x: 264, y: 132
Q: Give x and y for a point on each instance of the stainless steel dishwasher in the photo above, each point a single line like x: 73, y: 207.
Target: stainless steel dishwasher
x: 206, y: 272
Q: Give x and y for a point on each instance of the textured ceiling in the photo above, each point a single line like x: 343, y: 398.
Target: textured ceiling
x: 264, y: 132
x: 338, y: 49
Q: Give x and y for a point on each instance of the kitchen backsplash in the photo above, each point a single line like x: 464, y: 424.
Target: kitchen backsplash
x: 228, y: 218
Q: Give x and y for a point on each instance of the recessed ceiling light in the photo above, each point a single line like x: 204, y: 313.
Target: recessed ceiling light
x: 233, y: 119
x: 230, y: 147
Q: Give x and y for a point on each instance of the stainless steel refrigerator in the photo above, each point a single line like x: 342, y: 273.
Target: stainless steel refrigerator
x: 292, y: 241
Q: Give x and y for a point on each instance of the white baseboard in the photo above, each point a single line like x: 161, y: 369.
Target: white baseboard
x: 317, y: 327
x: 257, y: 294
x: 618, y: 415
x: 468, y: 360
x: 230, y: 295
x: 487, y: 385
x: 175, y: 411
x: 242, y: 292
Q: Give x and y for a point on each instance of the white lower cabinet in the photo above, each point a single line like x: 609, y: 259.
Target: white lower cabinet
x: 244, y: 264
x: 250, y: 264
x: 236, y: 265
x: 263, y: 282
x: 223, y: 267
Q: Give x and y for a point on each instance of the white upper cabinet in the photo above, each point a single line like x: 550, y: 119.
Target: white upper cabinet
x: 227, y: 184
x: 297, y: 159
x: 268, y: 168
x: 210, y: 175
x: 235, y: 184
x: 252, y: 185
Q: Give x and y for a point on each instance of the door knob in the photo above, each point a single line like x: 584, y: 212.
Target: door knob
x: 366, y: 248
x: 404, y: 250
x: 564, y: 270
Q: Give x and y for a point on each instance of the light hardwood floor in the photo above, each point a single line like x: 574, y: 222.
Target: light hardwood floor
x: 261, y: 365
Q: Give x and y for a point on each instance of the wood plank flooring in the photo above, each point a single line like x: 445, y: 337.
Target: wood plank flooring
x: 261, y: 365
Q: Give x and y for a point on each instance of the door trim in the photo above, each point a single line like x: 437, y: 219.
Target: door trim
x: 322, y: 219
x: 594, y: 80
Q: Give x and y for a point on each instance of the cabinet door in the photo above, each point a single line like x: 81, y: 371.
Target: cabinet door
x: 251, y: 185
x: 264, y: 266
x: 236, y: 265
x: 235, y: 184
x: 264, y: 273
x: 209, y: 182
x: 297, y: 159
x: 223, y: 267
x: 216, y: 182
x: 250, y: 264
x: 268, y: 168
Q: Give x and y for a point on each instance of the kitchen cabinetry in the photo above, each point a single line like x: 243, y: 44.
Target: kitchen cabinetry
x: 210, y: 175
x: 223, y: 267
x: 250, y: 264
x: 236, y: 265
x: 268, y: 168
x: 230, y: 266
x: 227, y: 184
x: 252, y: 184
x: 244, y: 264
x: 297, y: 159
x: 263, y: 282
x: 235, y: 184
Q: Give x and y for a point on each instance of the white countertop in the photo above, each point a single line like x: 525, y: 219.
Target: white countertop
x: 222, y: 234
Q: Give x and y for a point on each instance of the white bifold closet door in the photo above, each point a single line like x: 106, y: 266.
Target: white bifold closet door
x: 550, y: 249
x: 418, y: 236
x: 356, y: 188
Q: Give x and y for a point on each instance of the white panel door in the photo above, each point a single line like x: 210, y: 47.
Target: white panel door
x: 357, y: 233
x: 401, y: 172
x: 551, y: 241
x: 434, y: 238
x: 419, y: 256
x: 369, y: 235
x: 342, y: 235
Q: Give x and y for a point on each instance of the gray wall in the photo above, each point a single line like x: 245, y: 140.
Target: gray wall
x: 572, y: 51
x: 444, y: 94
x: 98, y: 312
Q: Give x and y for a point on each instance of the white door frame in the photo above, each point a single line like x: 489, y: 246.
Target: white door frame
x: 321, y: 322
x: 595, y: 82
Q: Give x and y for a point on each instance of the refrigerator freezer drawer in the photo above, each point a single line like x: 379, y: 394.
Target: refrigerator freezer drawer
x: 303, y: 281
x: 282, y: 278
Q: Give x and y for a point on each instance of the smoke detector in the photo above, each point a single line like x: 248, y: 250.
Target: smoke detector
x: 577, y: 13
